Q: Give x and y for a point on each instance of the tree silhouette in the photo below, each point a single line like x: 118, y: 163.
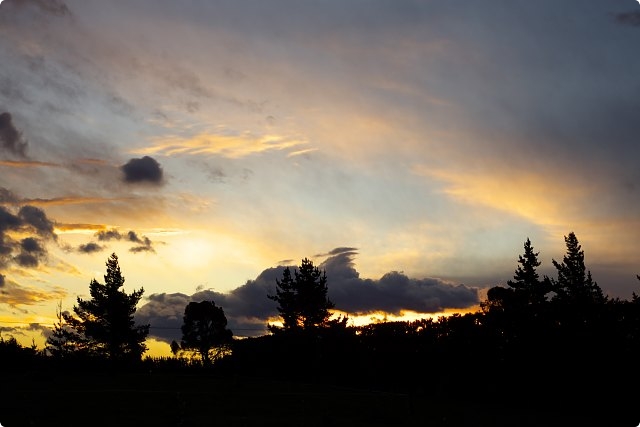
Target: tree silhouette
x: 204, y: 331
x: 526, y: 288
x: 302, y: 299
x: 62, y: 342
x: 527, y: 284
x: 574, y: 283
x: 104, y: 325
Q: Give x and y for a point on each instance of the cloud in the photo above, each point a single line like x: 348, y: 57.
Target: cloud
x: 107, y: 235
x: 28, y: 164
x: 8, y: 221
x: 224, y: 143
x: 393, y: 292
x: 54, y: 7
x: 32, y: 252
x: 11, y: 139
x: 628, y: 18
x: 37, y: 219
x: 143, y: 170
x: 14, y: 294
x: 89, y: 248
x: 144, y: 244
x: 248, y: 309
x: 29, y: 251
x: 2, y: 280
x: 7, y: 196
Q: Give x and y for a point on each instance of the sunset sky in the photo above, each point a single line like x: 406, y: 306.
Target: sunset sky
x: 407, y: 147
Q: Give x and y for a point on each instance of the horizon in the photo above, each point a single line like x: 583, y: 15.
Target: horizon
x: 408, y: 148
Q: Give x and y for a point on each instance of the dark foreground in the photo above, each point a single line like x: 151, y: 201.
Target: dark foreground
x: 202, y: 398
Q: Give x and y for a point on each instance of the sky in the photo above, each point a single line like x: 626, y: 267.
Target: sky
x: 408, y: 148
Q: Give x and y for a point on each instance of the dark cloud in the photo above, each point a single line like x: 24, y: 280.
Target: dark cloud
x: 31, y: 250
x: 248, y: 309
x: 144, y: 244
x: 31, y: 245
x: 393, y: 292
x: 629, y: 18
x: 338, y: 251
x: 8, y: 221
x: 89, y: 248
x: 144, y: 170
x: 37, y: 219
x: 11, y: 139
x: 26, y: 260
x: 107, y: 235
x: 2, y: 279
x: 7, y: 196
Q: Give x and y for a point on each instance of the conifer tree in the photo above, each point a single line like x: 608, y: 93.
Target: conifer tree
x: 302, y: 299
x: 62, y: 342
x: 527, y: 284
x: 574, y: 283
x: 104, y: 325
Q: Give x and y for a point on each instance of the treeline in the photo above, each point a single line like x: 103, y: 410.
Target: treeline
x: 538, y: 342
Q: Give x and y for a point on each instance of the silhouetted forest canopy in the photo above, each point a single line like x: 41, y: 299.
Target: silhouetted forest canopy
x: 540, y: 351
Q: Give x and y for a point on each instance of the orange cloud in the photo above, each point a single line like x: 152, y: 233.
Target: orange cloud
x: 27, y: 164
x: 229, y: 145
x: 526, y: 194
x: 78, y: 228
x: 70, y: 201
x: 14, y: 294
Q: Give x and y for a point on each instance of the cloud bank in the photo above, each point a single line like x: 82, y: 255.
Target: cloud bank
x: 248, y: 309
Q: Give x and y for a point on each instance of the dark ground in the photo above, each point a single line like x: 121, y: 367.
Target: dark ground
x: 205, y: 399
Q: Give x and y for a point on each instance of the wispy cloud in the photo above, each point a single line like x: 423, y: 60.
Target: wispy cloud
x: 14, y: 294
x: 224, y: 144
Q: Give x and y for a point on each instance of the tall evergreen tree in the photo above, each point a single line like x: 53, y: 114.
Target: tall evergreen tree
x: 527, y: 285
x: 574, y: 283
x: 62, y: 342
x: 104, y: 325
x: 302, y: 299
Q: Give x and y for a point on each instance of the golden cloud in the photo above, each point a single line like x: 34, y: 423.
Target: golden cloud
x: 526, y: 194
x: 231, y: 146
x: 27, y: 164
x: 14, y: 294
x: 70, y: 201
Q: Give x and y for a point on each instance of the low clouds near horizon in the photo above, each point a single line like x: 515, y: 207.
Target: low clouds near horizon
x: 248, y: 309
